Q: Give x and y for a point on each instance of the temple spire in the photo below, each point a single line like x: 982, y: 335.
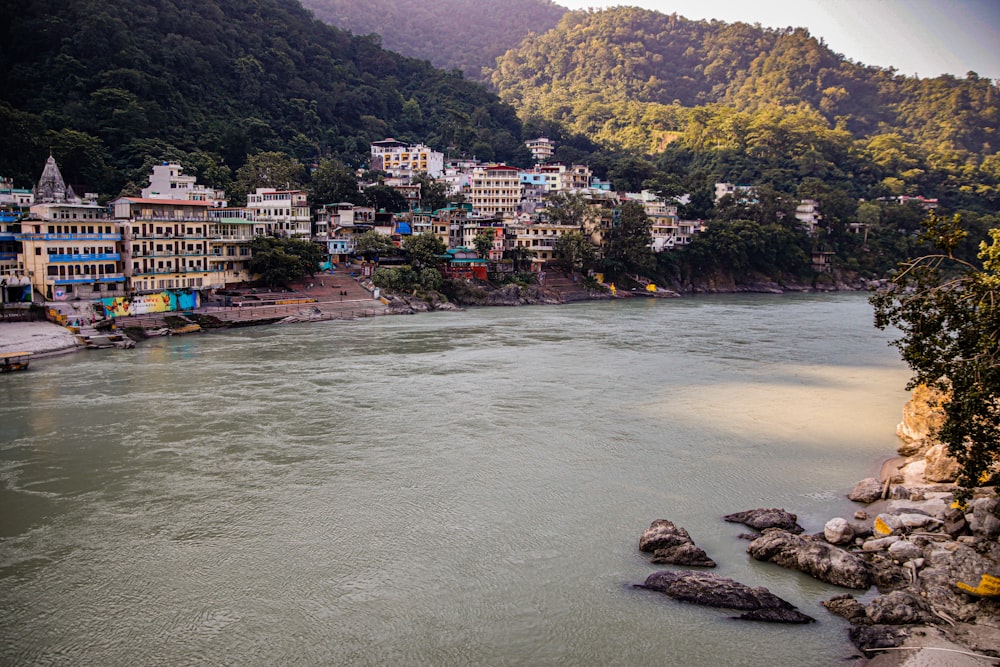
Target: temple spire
x: 51, y: 188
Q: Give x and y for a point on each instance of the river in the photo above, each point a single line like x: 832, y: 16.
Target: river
x: 442, y: 489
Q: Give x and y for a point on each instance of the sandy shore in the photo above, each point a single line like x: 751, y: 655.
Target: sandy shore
x: 38, y: 338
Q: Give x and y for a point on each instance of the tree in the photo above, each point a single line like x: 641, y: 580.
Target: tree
x: 333, y: 182
x: 483, y: 243
x: 384, y: 198
x: 424, y: 250
x: 372, y: 244
x: 433, y: 193
x: 575, y: 252
x: 948, y: 312
x: 567, y: 208
x: 628, y: 245
x: 267, y: 170
x: 281, y: 261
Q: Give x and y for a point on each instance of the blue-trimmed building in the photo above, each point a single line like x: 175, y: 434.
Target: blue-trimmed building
x: 70, y: 248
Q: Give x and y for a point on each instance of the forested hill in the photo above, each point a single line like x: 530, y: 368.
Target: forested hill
x: 110, y: 87
x: 630, y: 77
x: 467, y: 35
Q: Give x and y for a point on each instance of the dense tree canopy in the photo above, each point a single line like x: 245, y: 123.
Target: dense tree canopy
x: 424, y: 250
x: 278, y: 262
x: 948, y: 313
x: 114, y: 87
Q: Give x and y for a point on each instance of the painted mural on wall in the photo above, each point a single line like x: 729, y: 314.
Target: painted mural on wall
x: 162, y: 302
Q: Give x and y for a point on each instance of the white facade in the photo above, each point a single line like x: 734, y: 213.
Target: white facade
x: 742, y: 193
x: 541, y: 148
x: 496, y: 190
x: 168, y: 181
x: 807, y: 213
x: 284, y: 213
x: 399, y: 158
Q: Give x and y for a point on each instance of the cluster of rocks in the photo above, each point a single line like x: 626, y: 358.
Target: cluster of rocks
x: 914, y: 550
x: 917, y: 548
x: 671, y: 544
x: 912, y: 542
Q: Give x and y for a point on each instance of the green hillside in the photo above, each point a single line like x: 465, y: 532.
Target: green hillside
x: 452, y: 34
x: 629, y: 77
x: 112, y: 87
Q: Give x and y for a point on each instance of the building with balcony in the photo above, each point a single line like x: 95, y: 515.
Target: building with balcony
x: 808, y: 215
x: 338, y: 224
x: 10, y: 246
x: 168, y: 181
x: 230, y: 232
x: 539, y: 238
x: 284, y: 213
x: 541, y: 148
x: 401, y: 159
x: 496, y: 190
x: 70, y: 249
x: 11, y: 197
x: 166, y: 243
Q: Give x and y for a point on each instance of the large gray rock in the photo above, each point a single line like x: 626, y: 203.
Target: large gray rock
x: 838, y: 531
x: 985, y: 518
x: 847, y: 607
x: 898, y: 608
x: 947, y: 563
x: 712, y: 590
x: 874, y: 637
x: 672, y: 545
x: 898, y: 524
x: 866, y: 491
x: 818, y: 559
x: 880, y: 543
x: 762, y: 519
x: 940, y: 467
x: 904, y: 550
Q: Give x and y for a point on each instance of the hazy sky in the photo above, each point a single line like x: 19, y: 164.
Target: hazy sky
x: 923, y: 37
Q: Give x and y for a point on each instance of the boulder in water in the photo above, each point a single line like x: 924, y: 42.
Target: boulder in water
x: 818, y: 559
x: 672, y: 545
x: 762, y: 519
x: 714, y: 591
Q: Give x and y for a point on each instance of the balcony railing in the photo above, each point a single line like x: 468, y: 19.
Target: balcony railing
x: 171, y: 272
x: 86, y: 257
x: 200, y: 237
x: 165, y: 253
x: 104, y: 278
x: 68, y: 237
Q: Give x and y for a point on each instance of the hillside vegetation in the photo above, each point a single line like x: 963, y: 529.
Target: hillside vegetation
x: 452, y: 34
x: 112, y: 87
x: 629, y: 77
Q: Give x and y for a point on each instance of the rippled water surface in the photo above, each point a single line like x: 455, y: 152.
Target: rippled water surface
x: 444, y: 489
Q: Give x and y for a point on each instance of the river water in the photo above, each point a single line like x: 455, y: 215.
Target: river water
x: 443, y: 489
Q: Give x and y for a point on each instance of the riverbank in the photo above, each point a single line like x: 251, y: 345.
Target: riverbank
x: 40, y: 339
x: 930, y: 559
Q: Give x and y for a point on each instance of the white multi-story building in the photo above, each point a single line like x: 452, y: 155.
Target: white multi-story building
x: 168, y: 181
x: 807, y: 213
x: 399, y: 158
x: 496, y: 190
x: 541, y: 148
x: 284, y: 213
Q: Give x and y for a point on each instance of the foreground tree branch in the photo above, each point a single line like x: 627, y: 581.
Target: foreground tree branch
x: 948, y: 313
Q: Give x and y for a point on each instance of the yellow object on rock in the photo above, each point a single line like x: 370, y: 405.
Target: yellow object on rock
x: 989, y: 587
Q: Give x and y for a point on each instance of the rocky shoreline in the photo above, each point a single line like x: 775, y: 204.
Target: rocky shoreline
x: 910, y: 542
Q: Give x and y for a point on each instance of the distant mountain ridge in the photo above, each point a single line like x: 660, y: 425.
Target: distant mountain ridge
x: 452, y: 34
x: 630, y: 73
